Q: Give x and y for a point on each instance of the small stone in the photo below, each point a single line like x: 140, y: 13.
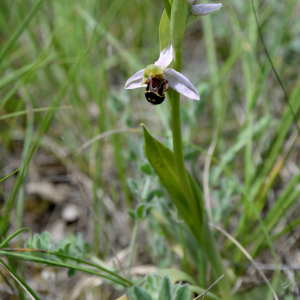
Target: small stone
x: 70, y: 213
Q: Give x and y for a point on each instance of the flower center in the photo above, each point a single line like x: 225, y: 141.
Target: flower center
x: 153, y: 71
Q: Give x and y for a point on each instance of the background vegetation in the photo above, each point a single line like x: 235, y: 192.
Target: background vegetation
x: 73, y: 130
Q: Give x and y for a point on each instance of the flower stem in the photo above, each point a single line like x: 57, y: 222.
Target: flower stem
x: 132, y: 246
x: 205, y: 237
x: 213, y: 255
x: 177, y: 146
x: 178, y: 154
x: 136, y: 228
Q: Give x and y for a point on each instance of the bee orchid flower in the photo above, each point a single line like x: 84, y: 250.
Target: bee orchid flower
x: 157, y: 79
x: 203, y: 9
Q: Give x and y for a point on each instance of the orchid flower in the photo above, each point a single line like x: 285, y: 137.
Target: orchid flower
x: 203, y: 9
x: 157, y: 78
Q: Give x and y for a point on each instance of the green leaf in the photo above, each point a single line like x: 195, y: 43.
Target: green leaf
x: 141, y: 294
x: 61, y: 251
x: 130, y: 294
x: 150, y: 196
x: 178, y: 22
x: 148, y: 210
x: 71, y: 272
x: 4, y: 243
x: 132, y: 214
x: 120, y: 280
x: 167, y: 7
x: 20, y: 29
x: 176, y: 275
x: 162, y: 161
x: 20, y: 281
x: 164, y: 31
x: 160, y: 193
x: 46, y: 237
x: 208, y: 295
x: 183, y: 293
x: 38, y: 243
x: 67, y: 248
x: 146, y: 168
x: 165, y: 292
x: 86, y: 248
x: 14, y: 172
x: 133, y: 186
x: 140, y: 211
x: 151, y: 282
x: 79, y: 256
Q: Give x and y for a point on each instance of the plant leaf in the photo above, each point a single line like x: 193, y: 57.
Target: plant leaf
x: 20, y: 281
x: 183, y: 293
x: 141, y: 294
x: 15, y: 234
x: 162, y: 161
x: 179, y: 15
x: 176, y: 275
x: 164, y: 31
x: 165, y: 292
x: 14, y: 172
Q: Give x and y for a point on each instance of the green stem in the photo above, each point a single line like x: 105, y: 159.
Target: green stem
x: 214, y: 257
x: 177, y: 147
x: 132, y: 245
x: 206, y: 239
x: 136, y: 227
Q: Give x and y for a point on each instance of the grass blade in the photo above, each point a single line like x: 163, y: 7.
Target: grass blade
x: 20, y: 281
x: 20, y: 29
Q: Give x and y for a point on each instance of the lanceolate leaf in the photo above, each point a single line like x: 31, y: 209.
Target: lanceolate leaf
x: 167, y: 8
x: 162, y: 160
x: 165, y: 292
x: 200, y: 290
x: 164, y: 31
x: 141, y: 294
x: 20, y: 281
x: 178, y: 21
x: 183, y: 293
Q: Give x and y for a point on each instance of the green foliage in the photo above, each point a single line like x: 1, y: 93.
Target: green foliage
x: 156, y: 287
x: 20, y: 281
x: 162, y: 161
x: 63, y: 66
x: 73, y: 246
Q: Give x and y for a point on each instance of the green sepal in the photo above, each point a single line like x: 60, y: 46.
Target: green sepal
x: 164, y: 31
x: 167, y: 8
x: 178, y: 23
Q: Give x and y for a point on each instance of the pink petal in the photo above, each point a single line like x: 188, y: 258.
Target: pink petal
x: 205, y: 9
x: 135, y: 81
x: 166, y: 57
x: 181, y: 84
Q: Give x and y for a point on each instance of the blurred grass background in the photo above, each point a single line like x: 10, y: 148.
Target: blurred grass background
x: 67, y: 121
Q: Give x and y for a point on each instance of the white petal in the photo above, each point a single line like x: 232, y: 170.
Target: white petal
x: 181, y: 84
x: 135, y: 81
x: 205, y: 9
x: 166, y: 57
